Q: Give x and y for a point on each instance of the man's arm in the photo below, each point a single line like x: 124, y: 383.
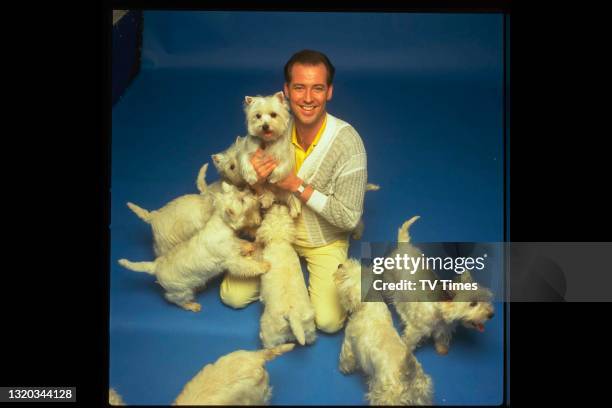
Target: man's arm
x: 344, y: 207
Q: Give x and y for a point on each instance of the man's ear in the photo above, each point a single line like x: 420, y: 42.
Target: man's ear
x: 286, y: 89
x: 330, y: 92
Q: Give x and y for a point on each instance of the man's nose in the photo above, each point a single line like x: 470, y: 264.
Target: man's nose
x: 308, y: 96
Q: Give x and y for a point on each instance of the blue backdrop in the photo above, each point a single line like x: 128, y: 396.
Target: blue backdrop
x: 425, y: 93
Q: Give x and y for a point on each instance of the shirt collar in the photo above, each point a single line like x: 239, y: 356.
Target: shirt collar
x: 316, y: 139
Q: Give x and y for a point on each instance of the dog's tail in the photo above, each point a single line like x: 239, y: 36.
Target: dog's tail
x: 147, y: 267
x: 201, y: 180
x: 402, y: 232
x: 143, y: 214
x: 372, y: 187
x: 295, y: 322
x: 272, y: 353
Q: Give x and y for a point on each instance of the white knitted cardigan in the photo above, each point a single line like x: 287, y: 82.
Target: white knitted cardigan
x: 337, y: 169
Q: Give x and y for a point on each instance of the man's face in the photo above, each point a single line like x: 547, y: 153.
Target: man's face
x: 308, y: 93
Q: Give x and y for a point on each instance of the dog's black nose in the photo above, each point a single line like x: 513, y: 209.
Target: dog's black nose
x: 490, y: 316
x: 266, y: 127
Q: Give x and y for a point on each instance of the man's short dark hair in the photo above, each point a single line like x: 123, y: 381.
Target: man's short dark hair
x: 310, y: 57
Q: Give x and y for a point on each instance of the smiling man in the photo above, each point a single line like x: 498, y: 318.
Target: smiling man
x: 330, y: 178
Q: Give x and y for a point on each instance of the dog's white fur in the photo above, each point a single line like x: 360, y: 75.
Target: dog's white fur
x: 267, y: 119
x: 358, y: 231
x: 371, y: 344
x: 180, y: 219
x: 114, y: 398
x: 227, y: 164
x: 212, y: 250
x: 438, y: 319
x: 288, y: 314
x: 238, y: 378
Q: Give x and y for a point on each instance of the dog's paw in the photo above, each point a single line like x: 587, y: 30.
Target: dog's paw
x: 192, y: 306
x: 247, y: 248
x: 266, y: 199
x: 441, y: 349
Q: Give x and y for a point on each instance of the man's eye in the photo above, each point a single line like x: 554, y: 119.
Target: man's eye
x: 273, y: 114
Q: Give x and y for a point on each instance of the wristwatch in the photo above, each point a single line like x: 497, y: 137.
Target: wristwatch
x: 301, y: 188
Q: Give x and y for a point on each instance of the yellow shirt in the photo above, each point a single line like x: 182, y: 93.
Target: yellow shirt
x: 300, y: 154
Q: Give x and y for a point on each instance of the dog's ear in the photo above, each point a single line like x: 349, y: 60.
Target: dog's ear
x: 216, y: 158
x: 281, y: 96
x: 466, y: 277
x: 248, y: 100
x: 230, y: 213
x: 238, y: 139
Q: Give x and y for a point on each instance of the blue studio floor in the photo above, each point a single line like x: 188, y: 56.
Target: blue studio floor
x: 429, y: 111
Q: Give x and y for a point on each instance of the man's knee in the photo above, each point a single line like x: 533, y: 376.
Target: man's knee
x: 330, y: 323
x: 233, y: 299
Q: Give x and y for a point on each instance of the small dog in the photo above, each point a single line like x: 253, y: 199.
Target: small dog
x: 267, y: 125
x: 438, y: 318
x: 372, y: 344
x: 288, y: 313
x: 227, y: 163
x: 238, y: 378
x: 180, y: 219
x: 213, y: 249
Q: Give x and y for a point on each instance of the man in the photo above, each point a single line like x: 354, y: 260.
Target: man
x: 330, y: 178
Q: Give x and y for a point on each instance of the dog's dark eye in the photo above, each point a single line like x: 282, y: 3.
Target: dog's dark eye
x: 473, y: 304
x: 273, y: 114
x: 232, y: 167
x: 258, y: 116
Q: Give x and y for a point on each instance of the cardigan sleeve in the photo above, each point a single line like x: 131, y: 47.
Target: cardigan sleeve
x: 343, y: 207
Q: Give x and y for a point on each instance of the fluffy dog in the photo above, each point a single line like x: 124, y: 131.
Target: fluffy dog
x: 371, y: 344
x: 267, y: 125
x: 180, y: 219
x: 288, y: 313
x: 213, y: 249
x: 227, y: 163
x: 439, y: 317
x: 238, y: 378
x: 267, y: 121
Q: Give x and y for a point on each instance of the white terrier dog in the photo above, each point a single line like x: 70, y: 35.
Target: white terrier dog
x: 267, y: 121
x: 227, y: 163
x: 288, y: 313
x: 213, y: 249
x: 267, y: 125
x: 238, y: 378
x: 180, y: 219
x: 371, y: 343
x: 438, y: 318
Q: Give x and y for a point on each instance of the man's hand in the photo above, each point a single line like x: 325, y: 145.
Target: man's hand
x: 263, y: 164
x: 290, y: 183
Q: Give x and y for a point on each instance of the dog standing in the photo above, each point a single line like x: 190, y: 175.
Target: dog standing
x: 371, y: 344
x: 180, y: 219
x: 211, y: 251
x: 288, y: 312
x: 439, y: 317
